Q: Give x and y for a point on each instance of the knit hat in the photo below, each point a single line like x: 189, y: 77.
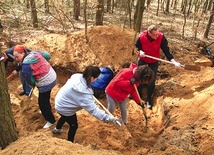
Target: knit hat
x: 19, y: 48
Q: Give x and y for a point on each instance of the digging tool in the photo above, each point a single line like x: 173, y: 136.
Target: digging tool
x: 31, y: 92
x: 187, y: 67
x: 10, y: 76
x: 143, y: 108
x: 106, y: 110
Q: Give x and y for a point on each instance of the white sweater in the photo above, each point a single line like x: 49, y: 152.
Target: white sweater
x: 76, y: 95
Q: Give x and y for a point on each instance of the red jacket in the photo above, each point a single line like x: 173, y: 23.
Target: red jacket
x: 151, y: 48
x: 120, y: 86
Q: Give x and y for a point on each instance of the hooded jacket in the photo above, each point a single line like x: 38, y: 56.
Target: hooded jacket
x: 120, y: 86
x: 75, y: 95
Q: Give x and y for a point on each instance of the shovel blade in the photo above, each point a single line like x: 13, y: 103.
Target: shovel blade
x: 192, y: 67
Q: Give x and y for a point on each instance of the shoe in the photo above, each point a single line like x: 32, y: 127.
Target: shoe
x: 149, y: 106
x: 47, y: 125
x: 22, y: 93
x: 57, y: 131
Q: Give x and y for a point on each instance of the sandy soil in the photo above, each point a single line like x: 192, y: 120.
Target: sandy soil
x: 181, y: 121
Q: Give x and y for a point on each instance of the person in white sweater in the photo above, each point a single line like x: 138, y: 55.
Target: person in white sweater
x: 76, y: 95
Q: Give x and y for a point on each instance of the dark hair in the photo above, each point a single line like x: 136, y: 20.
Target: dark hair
x: 126, y: 65
x: 91, y: 71
x: 144, y: 74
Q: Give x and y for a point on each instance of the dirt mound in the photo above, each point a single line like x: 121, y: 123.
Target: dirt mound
x: 105, y: 45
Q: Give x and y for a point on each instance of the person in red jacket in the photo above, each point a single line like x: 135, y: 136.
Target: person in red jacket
x: 122, y: 85
x: 149, y: 43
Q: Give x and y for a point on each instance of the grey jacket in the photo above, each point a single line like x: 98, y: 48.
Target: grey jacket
x: 76, y: 95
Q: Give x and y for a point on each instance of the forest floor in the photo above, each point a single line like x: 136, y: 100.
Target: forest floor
x: 181, y: 121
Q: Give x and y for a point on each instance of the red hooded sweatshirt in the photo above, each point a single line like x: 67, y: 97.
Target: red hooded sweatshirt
x: 120, y: 86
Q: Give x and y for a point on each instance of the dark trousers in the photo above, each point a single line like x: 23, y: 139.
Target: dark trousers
x: 151, y: 87
x: 45, y: 106
x: 73, y: 125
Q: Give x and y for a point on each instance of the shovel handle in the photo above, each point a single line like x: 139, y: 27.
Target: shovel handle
x: 106, y: 110
x: 144, y: 112
x: 148, y: 56
x: 10, y: 76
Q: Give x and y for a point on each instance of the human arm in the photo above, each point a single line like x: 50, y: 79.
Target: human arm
x: 88, y: 103
x: 46, y: 55
x: 27, y: 74
x: 138, y: 44
x: 165, y: 49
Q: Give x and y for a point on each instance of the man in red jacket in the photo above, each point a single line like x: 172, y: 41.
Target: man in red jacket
x: 149, y: 43
x: 123, y: 84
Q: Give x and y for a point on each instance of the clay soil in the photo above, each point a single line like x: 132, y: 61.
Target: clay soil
x: 181, y: 121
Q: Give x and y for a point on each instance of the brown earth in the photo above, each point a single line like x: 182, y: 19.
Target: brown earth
x: 181, y: 121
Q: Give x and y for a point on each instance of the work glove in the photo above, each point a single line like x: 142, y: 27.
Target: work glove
x: 177, y: 64
x: 115, y: 120
x: 142, y: 54
x: 132, y: 80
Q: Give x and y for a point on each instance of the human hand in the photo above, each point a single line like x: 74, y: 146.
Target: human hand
x: 177, y: 64
x: 132, y: 80
x: 141, y: 104
x: 1, y: 43
x: 142, y: 54
x: 115, y: 120
x: 14, y: 72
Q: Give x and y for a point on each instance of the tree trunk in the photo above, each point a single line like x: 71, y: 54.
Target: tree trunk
x: 76, y: 9
x: 46, y: 6
x: 185, y: 18
x: 100, y: 12
x: 158, y: 8
x: 86, y: 24
x: 139, y: 15
x: 209, y: 23
x: 167, y: 6
x: 34, y: 13
x: 8, y: 129
x: 108, y: 8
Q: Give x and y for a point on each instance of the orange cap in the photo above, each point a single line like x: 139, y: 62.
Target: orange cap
x: 19, y: 48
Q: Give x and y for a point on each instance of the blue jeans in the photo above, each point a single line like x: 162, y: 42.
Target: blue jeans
x: 25, y: 86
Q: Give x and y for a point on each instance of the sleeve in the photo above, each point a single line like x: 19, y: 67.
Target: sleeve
x: 89, y: 105
x: 138, y: 44
x: 18, y: 68
x: 165, y: 48
x: 27, y: 74
x: 46, y: 55
x: 135, y: 96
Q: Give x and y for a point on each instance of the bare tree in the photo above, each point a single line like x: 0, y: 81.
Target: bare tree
x: 185, y: 18
x: 100, y: 12
x: 7, y: 124
x: 167, y: 6
x: 46, y: 2
x: 86, y: 23
x: 139, y: 15
x: 76, y: 9
x: 209, y: 23
x: 34, y: 13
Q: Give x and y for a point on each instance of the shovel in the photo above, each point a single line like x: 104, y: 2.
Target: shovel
x: 187, y: 67
x: 106, y: 110
x: 144, y: 112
